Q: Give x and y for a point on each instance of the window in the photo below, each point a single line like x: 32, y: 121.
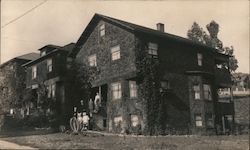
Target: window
x: 116, y: 91
x: 43, y: 53
x: 92, y: 60
x: 34, y: 72
x: 133, y: 88
x: 115, y: 52
x: 199, y: 57
x: 198, y: 120
x: 207, y: 92
x: 152, y: 49
x: 49, y: 65
x: 51, y: 91
x: 165, y: 85
x: 134, y: 120
x: 209, y: 120
x: 197, y: 93
x: 118, y: 120
x: 102, y: 30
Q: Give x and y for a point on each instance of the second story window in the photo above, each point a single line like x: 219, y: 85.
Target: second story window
x: 199, y: 58
x: 207, y: 92
x: 197, y: 92
x: 49, y: 65
x: 116, y: 90
x: 92, y: 60
x: 115, y: 52
x: 34, y: 72
x: 133, y: 89
x: 102, y: 30
x: 53, y: 90
x: 152, y: 49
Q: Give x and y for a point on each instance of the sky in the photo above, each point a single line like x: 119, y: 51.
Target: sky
x: 61, y: 22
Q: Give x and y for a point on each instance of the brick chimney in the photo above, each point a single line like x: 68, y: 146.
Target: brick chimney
x: 160, y: 27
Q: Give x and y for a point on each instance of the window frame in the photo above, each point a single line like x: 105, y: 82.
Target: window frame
x: 152, y: 49
x: 102, y: 31
x: 92, y: 60
x: 199, y: 59
x: 49, y: 65
x: 115, y: 53
x: 133, y: 91
x: 208, y: 92
x: 34, y: 72
x: 197, y: 91
x: 210, y: 119
x: 118, y: 91
x: 198, y: 122
x: 134, y: 122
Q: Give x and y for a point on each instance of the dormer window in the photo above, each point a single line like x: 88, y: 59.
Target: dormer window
x: 102, y: 30
x: 49, y: 65
x: 43, y: 53
x: 152, y: 49
x: 199, y: 58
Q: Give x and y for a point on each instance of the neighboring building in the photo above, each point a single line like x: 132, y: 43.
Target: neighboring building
x: 45, y: 78
x: 12, y: 77
x: 189, y: 75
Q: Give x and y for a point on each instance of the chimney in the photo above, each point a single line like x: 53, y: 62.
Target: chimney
x: 160, y: 27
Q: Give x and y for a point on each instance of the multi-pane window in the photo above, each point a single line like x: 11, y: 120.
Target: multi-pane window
x: 92, y: 60
x: 199, y: 58
x: 207, y: 92
x: 133, y: 89
x: 198, y: 120
x: 51, y: 90
x: 116, y: 90
x: 209, y: 120
x: 152, y: 49
x: 115, y: 52
x: 134, y: 120
x: 102, y: 30
x: 118, y: 121
x: 197, y: 91
x: 49, y: 65
x: 34, y: 72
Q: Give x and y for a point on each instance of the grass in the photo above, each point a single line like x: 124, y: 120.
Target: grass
x: 97, y: 141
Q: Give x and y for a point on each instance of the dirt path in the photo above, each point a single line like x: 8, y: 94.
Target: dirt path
x: 9, y: 145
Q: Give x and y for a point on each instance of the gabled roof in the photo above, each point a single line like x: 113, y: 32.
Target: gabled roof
x: 132, y: 28
x: 28, y: 57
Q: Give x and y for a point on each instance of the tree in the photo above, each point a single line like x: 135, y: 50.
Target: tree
x: 197, y: 34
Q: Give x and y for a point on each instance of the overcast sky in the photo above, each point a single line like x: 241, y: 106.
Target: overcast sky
x: 62, y: 21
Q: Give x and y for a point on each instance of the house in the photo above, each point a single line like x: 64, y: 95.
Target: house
x: 12, y: 77
x: 188, y: 77
x: 45, y: 79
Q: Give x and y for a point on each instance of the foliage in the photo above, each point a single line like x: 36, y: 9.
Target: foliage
x: 149, y: 89
x: 78, y: 84
x: 197, y: 34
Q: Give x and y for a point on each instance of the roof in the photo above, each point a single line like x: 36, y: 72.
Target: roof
x: 28, y: 57
x: 131, y: 27
x: 49, y: 46
x: 66, y: 48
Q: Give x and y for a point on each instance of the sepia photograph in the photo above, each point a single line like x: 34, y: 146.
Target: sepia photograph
x: 112, y: 74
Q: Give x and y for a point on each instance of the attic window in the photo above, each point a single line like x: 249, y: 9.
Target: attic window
x: 152, y: 49
x: 102, y: 30
x: 43, y: 53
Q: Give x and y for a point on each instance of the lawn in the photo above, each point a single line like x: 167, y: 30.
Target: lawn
x: 97, y: 141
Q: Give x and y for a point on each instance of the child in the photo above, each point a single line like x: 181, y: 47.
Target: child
x: 85, y: 121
